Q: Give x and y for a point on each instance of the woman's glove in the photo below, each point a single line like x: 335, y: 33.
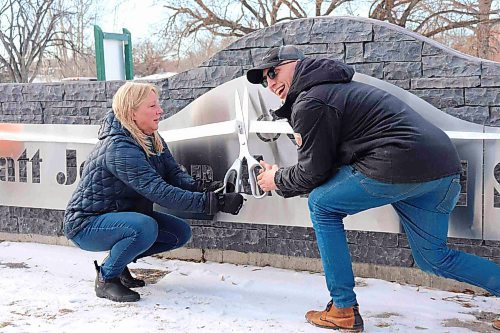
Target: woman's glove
x: 214, y: 186
x: 224, y: 202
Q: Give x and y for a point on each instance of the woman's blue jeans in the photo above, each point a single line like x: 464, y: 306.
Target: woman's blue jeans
x: 423, y: 209
x: 129, y: 236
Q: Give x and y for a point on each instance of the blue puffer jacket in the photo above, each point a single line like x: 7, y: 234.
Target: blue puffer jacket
x: 118, y: 176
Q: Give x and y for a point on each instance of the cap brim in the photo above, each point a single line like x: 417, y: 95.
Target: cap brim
x: 255, y: 75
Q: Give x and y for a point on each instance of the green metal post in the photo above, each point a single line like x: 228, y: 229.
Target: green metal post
x: 99, y: 53
x: 129, y: 61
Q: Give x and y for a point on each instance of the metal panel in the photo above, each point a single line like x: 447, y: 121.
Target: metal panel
x: 492, y: 187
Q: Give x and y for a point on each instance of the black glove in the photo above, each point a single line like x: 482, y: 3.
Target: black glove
x: 214, y: 185
x: 224, y: 202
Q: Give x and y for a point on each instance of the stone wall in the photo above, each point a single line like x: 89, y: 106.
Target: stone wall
x: 463, y: 86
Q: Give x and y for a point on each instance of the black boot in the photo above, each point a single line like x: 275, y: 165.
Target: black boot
x: 113, y: 289
x: 129, y: 281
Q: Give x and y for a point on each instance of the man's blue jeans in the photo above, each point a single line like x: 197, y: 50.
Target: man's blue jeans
x: 129, y: 236
x: 423, y: 209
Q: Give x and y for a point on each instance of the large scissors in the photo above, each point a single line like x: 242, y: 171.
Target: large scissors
x: 236, y: 169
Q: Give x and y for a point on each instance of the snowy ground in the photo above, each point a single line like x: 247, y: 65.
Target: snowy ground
x: 50, y: 289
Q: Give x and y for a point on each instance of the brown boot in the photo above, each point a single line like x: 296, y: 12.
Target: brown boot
x: 347, y: 319
x: 496, y: 324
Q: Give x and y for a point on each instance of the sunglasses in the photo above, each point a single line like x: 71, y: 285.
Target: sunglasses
x: 272, y: 74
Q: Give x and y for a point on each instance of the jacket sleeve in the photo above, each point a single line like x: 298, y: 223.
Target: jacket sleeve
x: 174, y: 174
x: 318, y: 125
x: 127, y: 162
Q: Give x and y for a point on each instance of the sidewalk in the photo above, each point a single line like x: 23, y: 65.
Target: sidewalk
x: 48, y: 288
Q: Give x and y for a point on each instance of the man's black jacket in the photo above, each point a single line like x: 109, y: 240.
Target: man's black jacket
x: 346, y: 122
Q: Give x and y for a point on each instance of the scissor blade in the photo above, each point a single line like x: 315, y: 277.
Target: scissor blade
x: 246, y: 121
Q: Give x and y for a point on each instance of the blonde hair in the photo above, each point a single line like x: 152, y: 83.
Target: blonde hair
x: 126, y: 100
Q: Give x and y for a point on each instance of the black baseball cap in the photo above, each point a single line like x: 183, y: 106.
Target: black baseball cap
x: 272, y: 58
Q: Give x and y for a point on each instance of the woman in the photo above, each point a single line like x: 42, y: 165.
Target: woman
x: 129, y: 169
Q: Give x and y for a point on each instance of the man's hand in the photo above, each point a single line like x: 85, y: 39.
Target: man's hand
x: 266, y: 177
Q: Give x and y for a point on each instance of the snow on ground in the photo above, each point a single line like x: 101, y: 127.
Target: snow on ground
x: 48, y: 288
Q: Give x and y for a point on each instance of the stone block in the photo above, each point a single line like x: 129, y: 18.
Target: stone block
x: 442, y: 98
x: 22, y: 119
x: 290, y: 232
x: 445, y: 82
x: 402, y: 70
x: 403, y: 84
x: 353, y: 52
x: 38, y: 92
x: 494, y: 119
x: 482, y: 96
x: 207, y: 77
x: 230, y: 58
x: 490, y: 81
x: 475, y: 114
x: 172, y: 106
x: 39, y: 221
x: 206, y: 237
x: 430, y: 49
x: 73, y: 120
x: 393, y: 51
x: 336, y: 51
x: 267, y: 37
x: 376, y: 239
x: 293, y: 248
x: 70, y: 111
x: 449, y: 66
x: 381, y: 256
x: 8, y: 223
x: 375, y: 69
x: 85, y: 91
x: 11, y: 92
x: 22, y: 108
x: 111, y: 87
x: 244, y: 240
x: 312, y: 49
x: 393, y: 34
x: 490, y: 68
x: 96, y: 115
x: 328, y: 30
x: 297, y: 32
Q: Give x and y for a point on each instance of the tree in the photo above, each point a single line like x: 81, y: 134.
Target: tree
x: 444, y: 20
x: 27, y: 30
x: 439, y: 19
x: 236, y: 18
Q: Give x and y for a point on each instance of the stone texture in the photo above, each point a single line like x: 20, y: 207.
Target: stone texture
x: 353, y: 52
x: 230, y: 58
x: 375, y: 69
x: 85, y: 91
x: 393, y: 51
x: 482, y: 96
x: 336, y: 51
x: 39, y: 92
x: 490, y: 68
x: 449, y: 66
x: 442, y: 98
x: 474, y: 114
x: 340, y: 30
x: 383, y: 33
x: 267, y: 37
x: 403, y: 84
x: 288, y: 232
x: 244, y: 240
x: 11, y: 92
x: 490, y: 81
x: 446, y: 82
x: 292, y: 247
x: 298, y: 32
x: 205, y: 77
x: 402, y: 70
x: 494, y: 119
x: 430, y: 49
x: 8, y: 223
x: 382, y: 256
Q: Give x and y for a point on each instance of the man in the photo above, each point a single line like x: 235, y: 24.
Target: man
x: 359, y: 147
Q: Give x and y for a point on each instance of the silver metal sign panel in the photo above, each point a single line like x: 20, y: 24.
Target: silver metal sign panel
x: 492, y: 187
x: 40, y: 164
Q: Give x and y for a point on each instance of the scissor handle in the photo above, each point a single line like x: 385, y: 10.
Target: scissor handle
x: 252, y: 165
